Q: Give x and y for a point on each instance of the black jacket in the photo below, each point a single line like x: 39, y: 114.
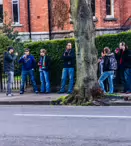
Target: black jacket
x: 69, y: 58
x: 106, y: 64
x: 126, y: 59
x: 9, y: 60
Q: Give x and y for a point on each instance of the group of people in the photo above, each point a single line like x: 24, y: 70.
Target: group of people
x: 115, y: 67
x: 29, y: 63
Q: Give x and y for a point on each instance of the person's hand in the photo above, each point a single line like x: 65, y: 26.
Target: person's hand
x: 117, y: 50
x: 10, y: 52
x: 16, y: 53
x: 39, y: 63
x: 99, y: 60
x: 24, y: 56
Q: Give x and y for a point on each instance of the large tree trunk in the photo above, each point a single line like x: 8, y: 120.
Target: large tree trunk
x: 86, y: 53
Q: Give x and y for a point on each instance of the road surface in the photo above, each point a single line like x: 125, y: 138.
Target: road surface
x: 65, y: 126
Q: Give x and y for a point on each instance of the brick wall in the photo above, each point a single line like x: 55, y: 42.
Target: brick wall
x: 39, y: 15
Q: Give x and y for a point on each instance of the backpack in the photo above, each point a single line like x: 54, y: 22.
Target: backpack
x: 112, y: 63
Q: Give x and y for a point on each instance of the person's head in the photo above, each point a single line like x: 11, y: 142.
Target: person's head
x: 123, y: 46
x: 69, y: 46
x: 11, y: 50
x: 107, y: 50
x: 43, y: 52
x: 27, y: 51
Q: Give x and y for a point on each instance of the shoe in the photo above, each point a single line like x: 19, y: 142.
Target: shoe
x: 69, y: 92
x: 128, y: 92
x: 123, y: 91
x: 21, y: 92
x: 36, y: 92
x: 60, y: 92
x: 9, y: 95
x: 47, y: 92
x: 42, y: 92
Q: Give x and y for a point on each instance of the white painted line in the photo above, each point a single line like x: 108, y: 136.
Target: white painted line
x: 74, y: 116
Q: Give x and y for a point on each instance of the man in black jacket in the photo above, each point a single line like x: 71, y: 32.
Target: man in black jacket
x: 9, y: 59
x: 127, y: 72
x: 68, y: 69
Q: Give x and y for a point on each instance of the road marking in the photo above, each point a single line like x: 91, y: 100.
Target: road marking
x: 74, y: 116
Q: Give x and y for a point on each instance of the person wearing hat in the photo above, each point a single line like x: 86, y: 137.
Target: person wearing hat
x: 28, y: 64
x: 9, y: 59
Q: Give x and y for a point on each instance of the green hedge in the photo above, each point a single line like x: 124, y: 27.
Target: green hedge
x: 112, y: 41
x: 55, y: 50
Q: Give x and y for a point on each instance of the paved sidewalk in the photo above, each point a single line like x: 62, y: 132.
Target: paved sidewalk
x: 120, y: 99
x: 46, y: 99
x: 29, y: 98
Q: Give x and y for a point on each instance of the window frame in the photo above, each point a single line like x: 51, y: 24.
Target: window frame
x: 112, y: 10
x: 94, y: 16
x: 3, y: 12
x: 18, y: 3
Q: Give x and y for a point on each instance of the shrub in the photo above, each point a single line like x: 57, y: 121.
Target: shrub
x: 4, y: 43
x: 112, y: 41
x: 55, y: 49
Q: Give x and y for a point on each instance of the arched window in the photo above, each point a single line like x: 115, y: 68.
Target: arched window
x: 16, y: 11
x: 110, y: 8
x: 93, y: 6
x: 1, y: 11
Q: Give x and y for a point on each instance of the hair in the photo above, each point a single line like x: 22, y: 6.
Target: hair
x: 69, y: 43
x: 9, y: 48
x: 124, y: 44
x: 27, y: 50
x: 43, y: 51
x: 107, y: 50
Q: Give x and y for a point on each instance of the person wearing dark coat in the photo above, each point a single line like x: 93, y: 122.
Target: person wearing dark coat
x: 9, y: 61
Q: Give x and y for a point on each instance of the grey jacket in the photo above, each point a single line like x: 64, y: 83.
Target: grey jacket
x: 9, y: 60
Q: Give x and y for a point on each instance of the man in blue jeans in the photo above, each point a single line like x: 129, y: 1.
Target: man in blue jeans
x: 109, y: 66
x: 28, y: 64
x: 68, y: 70
x: 9, y: 61
x: 44, y: 67
x: 127, y: 72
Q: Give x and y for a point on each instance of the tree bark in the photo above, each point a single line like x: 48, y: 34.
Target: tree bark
x: 86, y: 53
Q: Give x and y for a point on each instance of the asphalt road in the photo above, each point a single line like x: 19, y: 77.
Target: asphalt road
x: 65, y: 126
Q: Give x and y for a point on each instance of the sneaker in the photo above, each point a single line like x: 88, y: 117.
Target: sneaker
x: 21, y: 92
x: 60, y: 92
x: 69, y: 92
x: 47, y: 92
x: 128, y: 92
x: 36, y: 92
x: 9, y: 95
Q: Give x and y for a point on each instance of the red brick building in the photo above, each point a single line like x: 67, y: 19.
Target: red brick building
x: 31, y: 17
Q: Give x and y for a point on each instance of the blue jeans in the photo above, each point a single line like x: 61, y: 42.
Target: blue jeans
x: 127, y: 74
x: 10, y: 79
x: 65, y: 73
x: 29, y: 73
x: 45, y: 81
x: 103, y: 77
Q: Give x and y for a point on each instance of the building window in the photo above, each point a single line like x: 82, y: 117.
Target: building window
x: 16, y: 14
x: 93, y: 6
x: 1, y: 11
x: 110, y: 8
